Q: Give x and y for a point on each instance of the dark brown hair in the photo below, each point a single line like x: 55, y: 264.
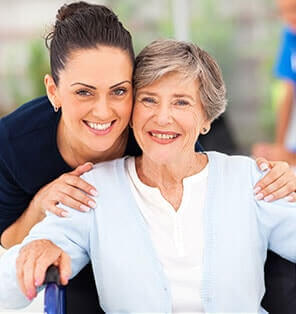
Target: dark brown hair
x: 81, y: 25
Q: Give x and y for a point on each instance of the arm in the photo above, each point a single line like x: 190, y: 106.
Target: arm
x: 277, y: 223
x: 69, y: 235
x: 67, y: 189
x: 284, y: 112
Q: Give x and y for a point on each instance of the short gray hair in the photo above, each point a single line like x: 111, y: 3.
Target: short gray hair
x: 165, y: 56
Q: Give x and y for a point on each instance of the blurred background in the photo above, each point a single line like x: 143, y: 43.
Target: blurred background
x: 242, y: 35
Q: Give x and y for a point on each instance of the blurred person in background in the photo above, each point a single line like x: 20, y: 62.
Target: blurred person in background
x: 280, y: 275
x: 284, y: 147
x: 50, y: 141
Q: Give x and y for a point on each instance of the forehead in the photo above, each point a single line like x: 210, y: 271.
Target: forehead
x: 102, y: 65
x: 173, y: 83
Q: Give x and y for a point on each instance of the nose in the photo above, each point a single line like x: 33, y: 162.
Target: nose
x: 102, y: 109
x: 163, y: 115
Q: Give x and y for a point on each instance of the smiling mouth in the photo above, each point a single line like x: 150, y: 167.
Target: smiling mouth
x: 164, y: 135
x: 99, y: 126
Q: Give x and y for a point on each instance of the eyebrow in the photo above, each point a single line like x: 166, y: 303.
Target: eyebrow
x: 93, y: 87
x: 174, y: 95
x: 117, y: 84
x: 183, y: 95
x: 86, y: 85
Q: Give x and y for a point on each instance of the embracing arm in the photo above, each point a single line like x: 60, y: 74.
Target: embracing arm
x: 67, y: 189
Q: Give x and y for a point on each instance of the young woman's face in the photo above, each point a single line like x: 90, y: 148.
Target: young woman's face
x: 168, y: 117
x: 95, y: 96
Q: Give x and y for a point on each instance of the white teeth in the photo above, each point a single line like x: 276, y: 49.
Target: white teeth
x: 99, y: 126
x: 164, y: 136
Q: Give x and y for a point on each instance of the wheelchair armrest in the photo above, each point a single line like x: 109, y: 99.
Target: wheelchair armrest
x: 52, y: 275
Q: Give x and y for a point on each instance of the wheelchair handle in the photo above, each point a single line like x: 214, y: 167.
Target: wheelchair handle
x: 52, y: 275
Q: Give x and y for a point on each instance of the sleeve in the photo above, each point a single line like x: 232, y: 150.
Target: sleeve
x: 277, y: 223
x: 71, y: 234
x: 13, y: 199
x: 284, y: 67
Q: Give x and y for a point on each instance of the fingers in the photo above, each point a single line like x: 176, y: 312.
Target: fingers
x: 28, y: 278
x: 80, y: 184
x: 65, y: 268
x: 277, y: 170
x: 82, y: 169
x: 278, y: 183
x: 262, y: 163
x: 75, y: 198
x: 32, y: 263
x: 276, y: 190
x: 56, y: 210
x: 291, y: 197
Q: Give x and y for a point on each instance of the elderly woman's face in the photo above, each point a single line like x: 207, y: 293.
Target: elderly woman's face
x: 168, y: 117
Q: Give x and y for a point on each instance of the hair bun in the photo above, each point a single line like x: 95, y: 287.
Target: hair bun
x: 69, y: 9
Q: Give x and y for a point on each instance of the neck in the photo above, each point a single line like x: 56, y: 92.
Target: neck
x: 168, y: 177
x: 75, y: 153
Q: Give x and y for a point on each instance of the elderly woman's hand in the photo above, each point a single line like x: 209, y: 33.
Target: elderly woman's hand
x: 279, y: 182
x: 68, y: 189
x: 33, y: 261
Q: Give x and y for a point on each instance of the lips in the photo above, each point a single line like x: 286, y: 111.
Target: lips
x: 163, y: 137
x: 99, y: 128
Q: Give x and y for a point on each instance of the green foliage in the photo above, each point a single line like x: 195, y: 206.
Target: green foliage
x: 28, y: 83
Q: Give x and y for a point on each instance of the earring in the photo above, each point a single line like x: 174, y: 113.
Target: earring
x: 55, y: 108
x: 204, y: 130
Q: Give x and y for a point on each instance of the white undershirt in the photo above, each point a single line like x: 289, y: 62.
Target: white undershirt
x: 177, y: 236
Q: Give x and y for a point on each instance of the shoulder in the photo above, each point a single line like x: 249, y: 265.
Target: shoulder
x: 104, y: 172
x: 235, y: 166
x: 29, y: 117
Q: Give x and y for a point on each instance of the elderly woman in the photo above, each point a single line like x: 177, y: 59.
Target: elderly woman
x: 174, y: 230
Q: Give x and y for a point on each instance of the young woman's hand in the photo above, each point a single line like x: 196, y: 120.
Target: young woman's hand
x: 279, y: 181
x: 33, y: 261
x: 68, y: 189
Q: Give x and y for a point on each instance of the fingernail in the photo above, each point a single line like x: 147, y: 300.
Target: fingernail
x: 264, y: 166
x: 37, y: 283
x: 257, y: 189
x: 31, y: 294
x: 259, y: 197
x: 289, y: 198
x: 92, y: 204
x: 65, y: 214
x: 93, y: 192
x: 268, y: 198
x: 84, y: 208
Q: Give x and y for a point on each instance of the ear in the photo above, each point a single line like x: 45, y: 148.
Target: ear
x: 51, y: 90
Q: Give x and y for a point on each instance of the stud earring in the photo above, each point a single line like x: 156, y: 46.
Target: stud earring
x: 204, y: 130
x: 55, y: 108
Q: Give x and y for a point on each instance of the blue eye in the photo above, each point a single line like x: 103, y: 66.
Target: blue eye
x: 119, y: 91
x: 149, y: 100
x: 182, y: 102
x: 83, y: 92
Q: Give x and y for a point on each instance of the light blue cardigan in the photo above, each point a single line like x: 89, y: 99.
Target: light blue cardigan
x: 238, y: 230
